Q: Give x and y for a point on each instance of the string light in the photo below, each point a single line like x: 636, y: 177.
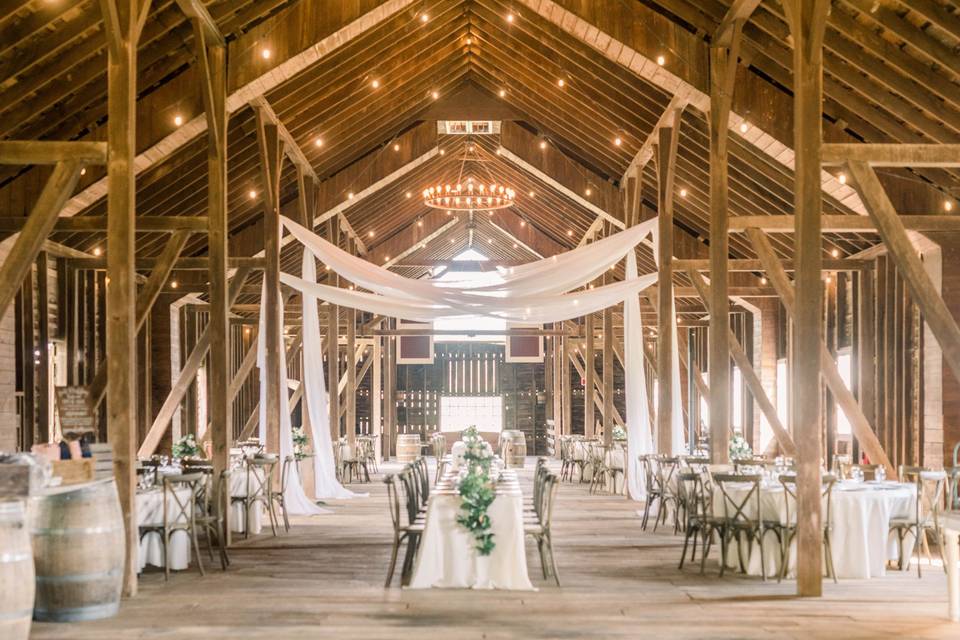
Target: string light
x: 661, y: 60
x: 83, y: 171
x: 842, y: 178
x: 435, y: 94
x: 370, y: 234
x: 570, y: 232
x: 947, y: 205
x: 174, y: 284
x: 683, y: 193
x: 835, y: 253
x: 469, y: 41
x: 350, y: 196
x: 419, y: 223
x: 514, y: 245
x: 396, y: 147
x: 589, y: 191
x: 177, y: 120
x: 452, y: 240
x: 424, y: 17
x: 409, y: 195
x: 442, y: 152
x: 763, y: 280
x: 523, y: 223
x: 375, y: 84
x: 828, y: 279
x: 265, y: 54
x: 617, y: 141
x: 489, y: 240
x: 543, y: 144
x: 97, y: 251
x: 318, y: 142
x: 253, y: 194
x: 744, y: 127
x: 510, y: 18
x: 503, y: 93
x: 561, y: 83
x: 531, y: 194
x: 386, y: 259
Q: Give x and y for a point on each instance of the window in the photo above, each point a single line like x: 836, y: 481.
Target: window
x: 782, y: 401
x: 737, y: 404
x: 459, y: 412
x: 468, y: 323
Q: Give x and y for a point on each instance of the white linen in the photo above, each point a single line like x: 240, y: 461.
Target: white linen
x: 294, y: 497
x: 315, y: 395
x: 446, y: 557
x: 639, y: 437
x: 240, y: 487
x: 150, y: 513
x: 860, y: 524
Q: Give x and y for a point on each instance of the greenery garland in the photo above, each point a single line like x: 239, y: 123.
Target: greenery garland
x: 477, y: 491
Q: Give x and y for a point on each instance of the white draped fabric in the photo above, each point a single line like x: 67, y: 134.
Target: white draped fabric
x: 315, y: 394
x: 639, y: 438
x: 295, y: 500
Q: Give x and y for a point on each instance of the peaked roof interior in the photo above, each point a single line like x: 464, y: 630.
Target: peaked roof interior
x: 482, y: 60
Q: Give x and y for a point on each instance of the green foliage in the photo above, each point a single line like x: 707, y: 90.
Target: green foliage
x: 299, y: 443
x: 187, y: 447
x: 477, y: 491
x: 739, y: 448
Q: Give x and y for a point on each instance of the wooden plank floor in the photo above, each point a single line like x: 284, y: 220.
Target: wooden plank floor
x: 325, y: 579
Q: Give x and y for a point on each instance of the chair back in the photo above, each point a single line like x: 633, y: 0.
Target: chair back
x: 789, y: 482
x: 288, y: 462
x: 181, y: 509
x: 260, y: 474
x: 393, y: 500
x: 667, y: 469
x: 411, y: 494
x: 691, y: 493
x: 931, y: 488
x: 438, y: 443
x: 736, y: 508
x: 540, y: 474
x: 869, y: 470
x: 548, y: 495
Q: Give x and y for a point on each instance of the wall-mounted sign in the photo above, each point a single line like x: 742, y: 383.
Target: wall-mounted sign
x: 524, y: 349
x: 414, y: 349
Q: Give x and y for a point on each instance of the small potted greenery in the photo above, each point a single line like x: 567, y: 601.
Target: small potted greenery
x: 187, y: 447
x: 740, y: 448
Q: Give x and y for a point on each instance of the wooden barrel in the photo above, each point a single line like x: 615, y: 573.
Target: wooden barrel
x: 514, y: 449
x: 16, y: 572
x: 78, y: 550
x: 408, y: 447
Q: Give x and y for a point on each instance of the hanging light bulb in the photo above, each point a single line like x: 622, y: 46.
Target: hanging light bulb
x: 842, y: 178
x: 661, y: 60
x: 265, y: 53
x: 177, y: 120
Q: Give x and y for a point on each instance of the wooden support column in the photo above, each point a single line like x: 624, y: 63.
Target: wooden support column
x: 390, y: 393
x: 666, y: 174
x: 807, y: 20
x: 556, y: 345
x: 589, y: 373
x: 271, y: 160
x: 749, y: 375
x: 333, y: 339
x: 866, y: 348
x: 566, y: 386
x: 211, y: 55
x: 723, y: 73
x: 123, y: 22
x: 27, y: 348
x: 608, y: 407
x: 376, y: 394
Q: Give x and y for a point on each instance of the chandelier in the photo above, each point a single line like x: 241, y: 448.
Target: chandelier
x: 470, y: 194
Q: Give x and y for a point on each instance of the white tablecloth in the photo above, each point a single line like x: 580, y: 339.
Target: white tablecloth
x: 238, y: 489
x: 446, y: 558
x: 150, y: 513
x: 859, y: 536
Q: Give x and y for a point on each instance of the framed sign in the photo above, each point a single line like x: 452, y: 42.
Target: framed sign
x: 414, y: 349
x: 524, y: 349
x: 76, y: 414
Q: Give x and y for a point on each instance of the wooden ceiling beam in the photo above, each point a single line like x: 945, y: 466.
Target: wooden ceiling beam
x: 740, y: 11
x: 28, y: 152
x: 98, y: 224
x: 844, y: 224
x: 195, y: 10
x: 892, y: 155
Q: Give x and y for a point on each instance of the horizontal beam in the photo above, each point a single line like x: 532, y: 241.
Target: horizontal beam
x: 755, y: 265
x: 844, y: 224
x: 193, y: 263
x: 892, y: 155
x: 75, y: 224
x: 52, y: 152
x: 468, y: 332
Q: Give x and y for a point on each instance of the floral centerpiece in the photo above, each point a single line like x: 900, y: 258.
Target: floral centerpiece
x: 477, y: 491
x: 619, y: 433
x: 187, y: 447
x: 300, y: 448
x: 739, y: 448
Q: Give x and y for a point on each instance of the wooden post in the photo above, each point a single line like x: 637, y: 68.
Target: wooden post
x: 271, y: 160
x: 723, y: 71
x: 807, y: 19
x: 390, y: 394
x: 213, y: 74
x: 566, y: 386
x: 123, y: 21
x: 376, y: 394
x: 666, y: 172
x: 866, y: 348
x: 589, y: 357
x: 27, y: 348
x: 333, y: 340
x: 558, y: 358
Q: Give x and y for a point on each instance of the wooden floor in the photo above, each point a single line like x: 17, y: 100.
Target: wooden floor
x: 325, y: 579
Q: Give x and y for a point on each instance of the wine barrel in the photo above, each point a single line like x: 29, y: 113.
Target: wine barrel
x: 16, y: 572
x: 78, y: 550
x: 513, y: 449
x: 408, y: 447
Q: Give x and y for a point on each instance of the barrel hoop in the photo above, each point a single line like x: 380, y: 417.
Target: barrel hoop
x: 69, y: 531
x: 15, y: 615
x: 15, y: 557
x: 80, y: 577
x: 91, y: 612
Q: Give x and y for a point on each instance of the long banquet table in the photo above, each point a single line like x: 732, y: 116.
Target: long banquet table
x: 860, y: 522
x: 447, y: 559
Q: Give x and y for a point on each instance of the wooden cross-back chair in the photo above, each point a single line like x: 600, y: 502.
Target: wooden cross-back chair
x: 741, y: 518
x: 788, y: 529
x: 924, y: 518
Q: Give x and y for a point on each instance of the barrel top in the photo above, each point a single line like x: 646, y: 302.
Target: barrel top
x: 70, y: 488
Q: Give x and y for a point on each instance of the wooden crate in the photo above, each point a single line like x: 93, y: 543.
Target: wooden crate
x: 74, y: 471
x: 102, y: 453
